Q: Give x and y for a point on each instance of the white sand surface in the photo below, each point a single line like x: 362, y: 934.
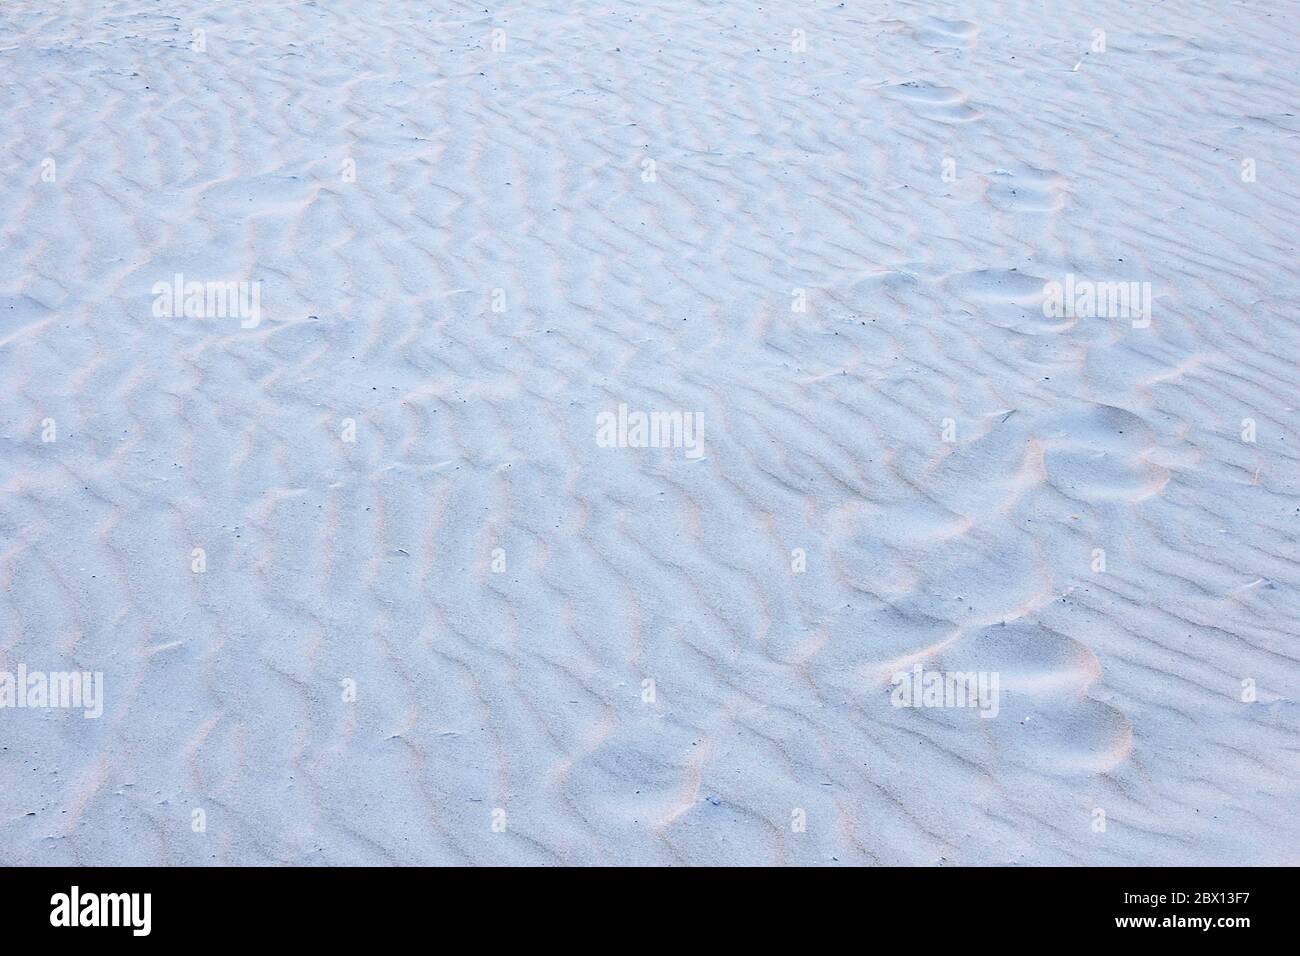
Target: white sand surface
x: 561, y: 208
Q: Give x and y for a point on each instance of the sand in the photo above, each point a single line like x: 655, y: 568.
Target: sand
x: 381, y: 564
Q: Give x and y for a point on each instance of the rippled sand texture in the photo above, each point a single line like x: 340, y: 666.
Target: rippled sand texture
x: 523, y: 170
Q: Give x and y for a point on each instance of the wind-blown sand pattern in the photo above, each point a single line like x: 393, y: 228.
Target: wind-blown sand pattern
x: 557, y: 213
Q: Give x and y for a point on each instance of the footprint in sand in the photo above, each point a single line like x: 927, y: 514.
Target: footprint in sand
x: 1008, y: 299
x: 1046, y: 718
x: 944, y: 103
x: 1099, y: 453
x: 1024, y: 189
x: 946, y: 34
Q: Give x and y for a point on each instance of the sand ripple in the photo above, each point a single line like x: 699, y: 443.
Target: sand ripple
x: 501, y: 269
